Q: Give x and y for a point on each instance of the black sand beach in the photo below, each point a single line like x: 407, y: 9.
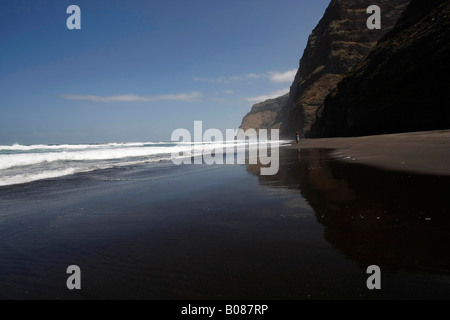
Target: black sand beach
x: 426, y: 152
x: 225, y: 232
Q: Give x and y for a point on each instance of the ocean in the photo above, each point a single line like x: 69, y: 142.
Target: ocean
x: 21, y: 164
x: 140, y: 227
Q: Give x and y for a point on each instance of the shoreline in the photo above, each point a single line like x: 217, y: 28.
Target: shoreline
x: 202, y: 232
x: 425, y: 152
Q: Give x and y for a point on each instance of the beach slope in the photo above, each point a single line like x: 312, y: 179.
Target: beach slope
x: 425, y: 152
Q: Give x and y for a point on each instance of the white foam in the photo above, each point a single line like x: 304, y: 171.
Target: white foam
x: 112, y: 153
x: 49, y: 174
x: 26, y: 159
x: 18, y: 147
x: 25, y: 178
x: 38, y: 162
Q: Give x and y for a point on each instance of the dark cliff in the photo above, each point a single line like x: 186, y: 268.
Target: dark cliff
x: 403, y: 84
x: 263, y: 115
x: 339, y: 42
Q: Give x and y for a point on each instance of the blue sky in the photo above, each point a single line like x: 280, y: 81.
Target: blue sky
x: 137, y: 70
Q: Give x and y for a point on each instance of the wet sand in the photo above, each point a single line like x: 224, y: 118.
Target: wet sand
x: 226, y: 232
x: 421, y: 152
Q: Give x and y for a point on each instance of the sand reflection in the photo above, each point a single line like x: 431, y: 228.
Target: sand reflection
x: 396, y: 220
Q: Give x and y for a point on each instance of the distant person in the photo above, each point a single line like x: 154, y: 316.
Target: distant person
x: 297, y: 137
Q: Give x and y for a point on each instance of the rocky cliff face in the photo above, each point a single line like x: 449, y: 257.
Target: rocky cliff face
x: 263, y: 115
x: 338, y: 43
x: 403, y: 85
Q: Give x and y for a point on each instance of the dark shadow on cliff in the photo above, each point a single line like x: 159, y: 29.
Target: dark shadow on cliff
x: 401, y: 86
x: 399, y: 221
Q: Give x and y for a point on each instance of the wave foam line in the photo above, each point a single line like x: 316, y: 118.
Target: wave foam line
x: 52, y: 174
x: 27, y: 159
x: 25, y: 178
x: 18, y: 147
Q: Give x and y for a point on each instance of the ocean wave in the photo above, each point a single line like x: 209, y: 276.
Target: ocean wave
x: 57, y: 147
x: 26, y: 159
x: 24, y: 164
x: 30, y: 177
x: 112, y: 153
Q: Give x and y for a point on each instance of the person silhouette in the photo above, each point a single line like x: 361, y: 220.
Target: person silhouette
x: 297, y: 137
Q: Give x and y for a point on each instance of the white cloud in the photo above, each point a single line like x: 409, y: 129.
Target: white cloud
x: 287, y: 76
x: 235, y: 78
x: 220, y: 79
x: 186, y: 97
x: 274, y: 76
x: 212, y: 80
x: 255, y: 76
x: 272, y: 95
x: 226, y: 101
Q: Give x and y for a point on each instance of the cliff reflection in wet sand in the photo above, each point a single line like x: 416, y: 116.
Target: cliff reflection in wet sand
x: 399, y: 221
